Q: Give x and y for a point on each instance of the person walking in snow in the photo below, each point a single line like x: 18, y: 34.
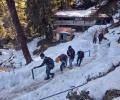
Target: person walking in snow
x: 49, y: 65
x: 107, y: 41
x: 95, y: 38
x: 100, y: 37
x: 71, y: 55
x: 63, y: 59
x: 80, y: 56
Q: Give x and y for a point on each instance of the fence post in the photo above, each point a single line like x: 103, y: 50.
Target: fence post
x: 33, y: 74
x: 89, y: 52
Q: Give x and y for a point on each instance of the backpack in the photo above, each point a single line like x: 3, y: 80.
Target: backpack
x: 71, y: 53
x: 49, y: 62
x: 81, y: 54
x: 63, y: 57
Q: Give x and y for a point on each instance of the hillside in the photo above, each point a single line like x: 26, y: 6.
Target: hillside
x: 19, y: 85
x: 98, y: 73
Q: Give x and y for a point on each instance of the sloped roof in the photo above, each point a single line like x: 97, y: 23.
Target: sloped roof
x: 80, y: 13
x: 76, y: 13
x: 66, y: 30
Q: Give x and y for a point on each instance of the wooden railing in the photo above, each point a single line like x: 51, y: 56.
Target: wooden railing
x: 73, y: 22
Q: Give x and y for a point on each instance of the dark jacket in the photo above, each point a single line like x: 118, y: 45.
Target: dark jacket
x: 71, y: 53
x: 48, y: 62
x: 101, y: 36
x: 63, y: 57
x: 80, y: 54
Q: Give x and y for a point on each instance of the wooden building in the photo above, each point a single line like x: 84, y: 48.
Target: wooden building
x: 63, y: 34
x: 79, y: 19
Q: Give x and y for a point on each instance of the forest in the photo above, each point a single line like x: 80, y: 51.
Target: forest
x: 35, y: 18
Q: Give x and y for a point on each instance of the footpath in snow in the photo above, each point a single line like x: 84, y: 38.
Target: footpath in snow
x: 18, y: 84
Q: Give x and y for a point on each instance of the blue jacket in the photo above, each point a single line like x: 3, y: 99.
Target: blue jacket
x: 48, y: 62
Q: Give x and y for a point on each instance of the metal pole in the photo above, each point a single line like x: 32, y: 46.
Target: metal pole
x: 33, y: 74
x: 89, y: 52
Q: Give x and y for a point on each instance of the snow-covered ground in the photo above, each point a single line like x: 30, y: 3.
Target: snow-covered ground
x: 117, y: 98
x: 15, y: 85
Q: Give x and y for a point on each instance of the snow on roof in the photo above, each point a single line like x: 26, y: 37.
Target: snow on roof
x: 76, y: 13
x: 66, y: 30
x: 62, y: 32
x: 103, y: 15
x: 79, y: 13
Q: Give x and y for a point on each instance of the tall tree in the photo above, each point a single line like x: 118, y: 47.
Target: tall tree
x: 6, y: 21
x: 39, y: 13
x: 20, y: 34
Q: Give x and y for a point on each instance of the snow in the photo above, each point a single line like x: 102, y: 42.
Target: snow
x: 104, y: 2
x: 100, y: 61
x: 117, y: 98
x: 98, y: 87
x: 75, y: 13
x: 116, y: 17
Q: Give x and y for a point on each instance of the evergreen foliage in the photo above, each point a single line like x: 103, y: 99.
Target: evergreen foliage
x: 39, y: 14
x: 75, y: 95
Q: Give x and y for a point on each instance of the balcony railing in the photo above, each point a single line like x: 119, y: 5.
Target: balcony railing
x: 76, y: 23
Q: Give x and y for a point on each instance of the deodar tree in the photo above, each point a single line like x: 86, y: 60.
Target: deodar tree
x: 39, y: 14
x: 20, y: 34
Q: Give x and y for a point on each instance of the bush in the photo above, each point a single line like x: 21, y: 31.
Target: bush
x: 110, y: 94
x: 74, y: 95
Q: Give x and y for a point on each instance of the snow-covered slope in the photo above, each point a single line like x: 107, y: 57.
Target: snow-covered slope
x: 18, y: 84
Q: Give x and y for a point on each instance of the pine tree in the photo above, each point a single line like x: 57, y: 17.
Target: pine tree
x: 39, y: 14
x: 20, y: 34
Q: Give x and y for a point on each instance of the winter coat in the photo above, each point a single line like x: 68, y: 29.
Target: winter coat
x: 101, y: 36
x: 71, y: 53
x: 63, y: 57
x: 48, y: 62
x: 80, y: 54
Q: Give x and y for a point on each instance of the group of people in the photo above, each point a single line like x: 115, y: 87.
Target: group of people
x: 63, y: 58
x: 70, y: 56
x: 100, y: 36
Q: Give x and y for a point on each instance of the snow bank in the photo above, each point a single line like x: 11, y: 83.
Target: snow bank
x: 91, y: 66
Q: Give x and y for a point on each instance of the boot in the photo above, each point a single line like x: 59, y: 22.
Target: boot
x: 47, y: 78
x: 52, y: 75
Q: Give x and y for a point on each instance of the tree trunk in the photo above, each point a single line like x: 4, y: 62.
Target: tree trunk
x: 20, y: 34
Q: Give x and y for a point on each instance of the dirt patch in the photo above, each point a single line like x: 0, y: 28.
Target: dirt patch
x: 44, y: 45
